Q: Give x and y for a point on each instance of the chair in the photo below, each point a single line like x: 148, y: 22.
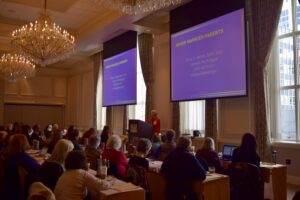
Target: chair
x: 157, y: 185
x: 22, y: 177
x: 245, y: 181
x: 38, y: 191
x: 137, y: 175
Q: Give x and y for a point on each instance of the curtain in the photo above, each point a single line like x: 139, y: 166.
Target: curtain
x: 265, y: 17
x: 192, y: 116
x: 176, y: 118
x: 145, y: 42
x: 125, y: 118
x: 109, y: 117
x: 97, y: 59
x: 211, y: 118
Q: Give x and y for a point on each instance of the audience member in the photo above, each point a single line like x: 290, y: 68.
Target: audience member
x: 209, y: 155
x: 74, y: 182
x: 247, y: 151
x: 73, y: 136
x: 155, y: 142
x: 180, y: 168
x: 92, y: 152
x: 154, y: 121
x: 87, y: 134
x: 142, y: 149
x: 116, y: 157
x: 18, y: 144
x: 104, y: 136
x: 167, y: 147
x: 55, y: 137
x: 3, y: 135
x: 53, y: 168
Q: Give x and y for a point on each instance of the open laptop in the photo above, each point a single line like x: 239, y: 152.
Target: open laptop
x: 228, y: 151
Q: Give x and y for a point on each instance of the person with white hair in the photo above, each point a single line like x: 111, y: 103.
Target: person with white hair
x: 154, y: 121
x: 180, y: 168
x: 117, y: 158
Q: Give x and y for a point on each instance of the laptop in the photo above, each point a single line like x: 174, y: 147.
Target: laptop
x: 228, y: 151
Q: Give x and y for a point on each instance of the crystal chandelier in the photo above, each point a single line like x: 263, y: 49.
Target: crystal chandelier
x: 134, y: 7
x: 14, y: 67
x: 43, y: 41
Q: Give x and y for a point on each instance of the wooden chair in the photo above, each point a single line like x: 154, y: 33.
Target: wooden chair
x: 22, y: 177
x: 157, y: 185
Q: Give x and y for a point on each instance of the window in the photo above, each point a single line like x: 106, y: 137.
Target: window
x: 192, y: 116
x: 287, y: 80
x: 138, y: 111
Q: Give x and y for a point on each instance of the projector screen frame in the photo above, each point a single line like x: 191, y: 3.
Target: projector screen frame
x: 246, y: 53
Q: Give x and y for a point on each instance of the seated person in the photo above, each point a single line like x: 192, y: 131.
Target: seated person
x: 92, y: 152
x: 138, y: 164
x: 209, y: 155
x: 74, y: 182
x: 17, y: 157
x: 142, y: 149
x: 180, y: 168
x: 53, y: 168
x: 155, y: 143
x: 116, y: 157
x: 167, y: 147
x: 247, y: 151
x: 73, y: 136
x: 104, y: 136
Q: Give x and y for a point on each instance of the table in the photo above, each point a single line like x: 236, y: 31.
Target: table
x: 37, y: 156
x: 274, y: 177
x: 120, y: 190
x: 215, y: 186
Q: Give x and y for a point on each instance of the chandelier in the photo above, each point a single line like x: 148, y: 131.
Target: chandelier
x: 43, y: 41
x: 14, y: 67
x: 134, y: 7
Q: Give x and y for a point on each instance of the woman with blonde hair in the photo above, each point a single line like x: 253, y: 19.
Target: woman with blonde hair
x: 209, y: 155
x: 53, y: 168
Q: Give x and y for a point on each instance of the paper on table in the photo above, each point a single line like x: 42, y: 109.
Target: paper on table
x: 125, y: 187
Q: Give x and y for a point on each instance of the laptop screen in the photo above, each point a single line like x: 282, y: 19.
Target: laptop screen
x: 228, y: 151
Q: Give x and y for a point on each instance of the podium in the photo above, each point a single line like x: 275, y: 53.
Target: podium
x: 139, y: 129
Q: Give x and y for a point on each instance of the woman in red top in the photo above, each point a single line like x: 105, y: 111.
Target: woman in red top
x: 116, y: 157
x: 154, y: 121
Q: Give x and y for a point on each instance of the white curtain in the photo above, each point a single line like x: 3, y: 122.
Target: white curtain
x: 100, y: 111
x: 138, y: 111
x: 192, y: 116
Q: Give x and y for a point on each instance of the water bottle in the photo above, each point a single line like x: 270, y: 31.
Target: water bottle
x: 274, y: 156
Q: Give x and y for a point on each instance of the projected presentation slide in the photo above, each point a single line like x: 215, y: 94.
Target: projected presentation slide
x: 119, y: 79
x: 208, y: 60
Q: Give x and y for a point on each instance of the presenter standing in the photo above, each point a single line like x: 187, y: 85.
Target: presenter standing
x: 154, y: 121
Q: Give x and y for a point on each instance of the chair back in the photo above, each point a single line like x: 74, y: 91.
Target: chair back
x: 245, y: 181
x: 137, y: 175
x: 157, y: 185
x: 38, y: 191
x: 22, y: 177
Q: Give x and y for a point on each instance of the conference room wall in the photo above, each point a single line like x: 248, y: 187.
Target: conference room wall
x: 48, y: 88
x: 80, y: 94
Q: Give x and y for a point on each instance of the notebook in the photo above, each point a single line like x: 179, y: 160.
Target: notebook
x: 228, y: 151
